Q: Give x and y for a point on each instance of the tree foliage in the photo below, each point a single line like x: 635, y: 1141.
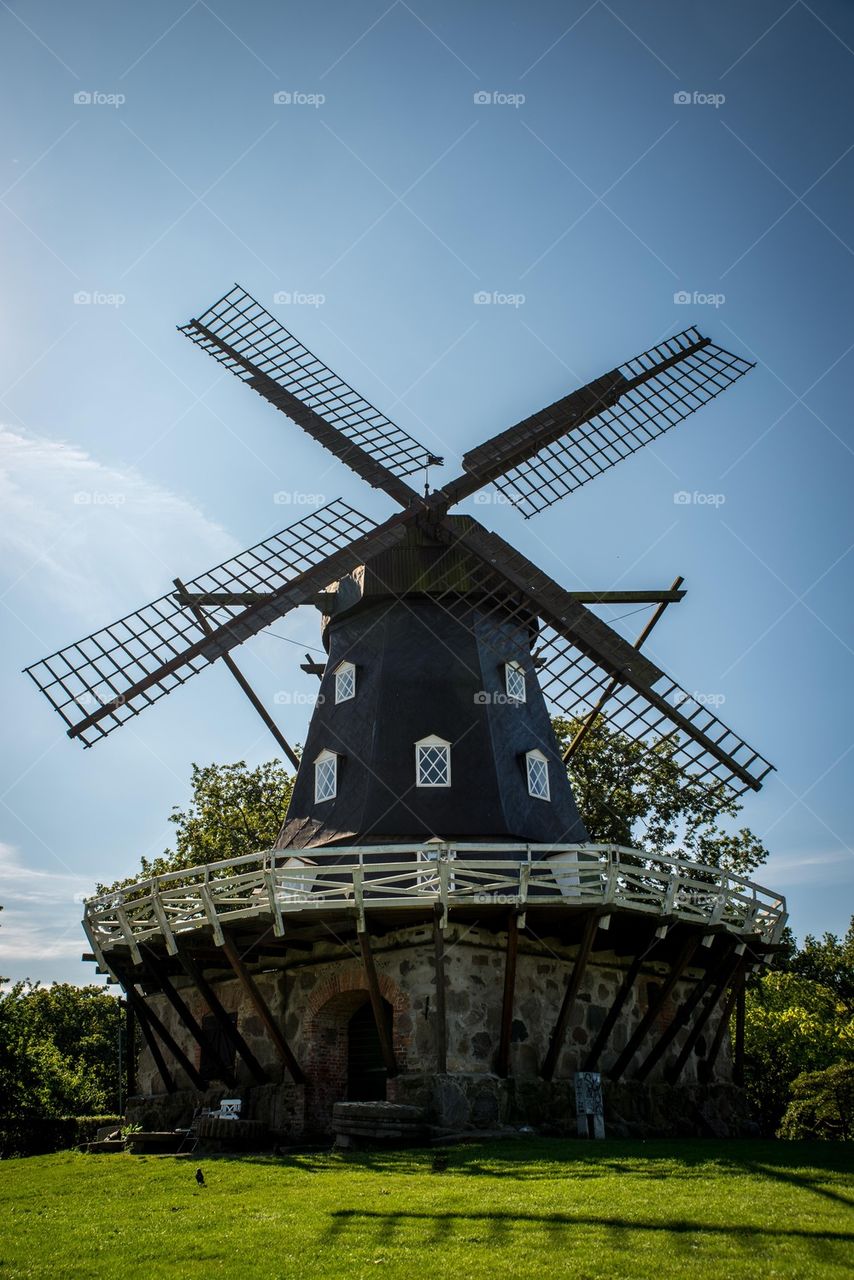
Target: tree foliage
x: 58, y: 1051
x: 830, y: 962
x: 632, y: 794
x: 796, y: 1022
x: 822, y: 1105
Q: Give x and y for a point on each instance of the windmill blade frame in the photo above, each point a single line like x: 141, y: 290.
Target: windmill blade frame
x: 244, y: 337
x: 117, y: 671
x: 554, y: 452
x: 580, y: 655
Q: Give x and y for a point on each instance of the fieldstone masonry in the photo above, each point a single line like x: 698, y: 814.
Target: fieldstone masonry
x: 314, y: 998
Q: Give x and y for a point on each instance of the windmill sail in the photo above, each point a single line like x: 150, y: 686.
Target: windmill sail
x: 242, y: 335
x: 106, y: 678
x: 556, y: 451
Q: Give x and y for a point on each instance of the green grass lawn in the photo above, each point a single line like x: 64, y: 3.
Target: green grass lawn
x: 528, y: 1208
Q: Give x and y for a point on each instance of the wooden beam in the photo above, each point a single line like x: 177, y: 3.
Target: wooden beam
x: 312, y: 667
x: 205, y: 1045
x: 130, y: 1049
x: 163, y: 920
x: 720, y: 985
x: 261, y: 1007
x: 678, y: 967
x: 386, y: 1046
x: 502, y: 1065
x: 671, y: 596
x: 592, y: 716
x: 708, y: 1065
x: 712, y: 975
x: 441, y: 1017
x: 577, y: 973
x: 199, y: 614
x: 625, y: 990
x: 738, y: 1048
x: 229, y: 1030
x: 154, y: 1049
x: 144, y: 1011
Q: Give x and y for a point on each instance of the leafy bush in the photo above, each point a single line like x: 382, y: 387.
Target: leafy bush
x: 822, y: 1105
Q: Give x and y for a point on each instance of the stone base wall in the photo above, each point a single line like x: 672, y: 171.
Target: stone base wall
x: 483, y: 1102
x: 314, y: 998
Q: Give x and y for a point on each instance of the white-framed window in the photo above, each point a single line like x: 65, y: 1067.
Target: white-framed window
x: 514, y: 681
x: 432, y: 762
x: 345, y: 682
x: 537, y: 767
x: 325, y: 776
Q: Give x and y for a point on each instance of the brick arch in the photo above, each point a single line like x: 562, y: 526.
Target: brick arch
x: 328, y: 1011
x: 352, y: 978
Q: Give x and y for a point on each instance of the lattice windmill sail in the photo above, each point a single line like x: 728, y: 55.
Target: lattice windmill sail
x: 585, y: 667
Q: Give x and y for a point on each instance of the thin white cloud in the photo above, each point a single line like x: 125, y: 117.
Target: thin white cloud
x: 41, y: 913
x: 80, y: 531
x: 808, y: 866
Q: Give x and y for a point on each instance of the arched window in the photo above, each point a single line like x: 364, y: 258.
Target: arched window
x: 537, y: 767
x: 432, y: 762
x: 514, y: 681
x: 345, y: 682
x: 325, y: 776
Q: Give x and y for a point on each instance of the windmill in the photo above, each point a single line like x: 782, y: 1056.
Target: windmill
x: 446, y: 650
x: 111, y: 675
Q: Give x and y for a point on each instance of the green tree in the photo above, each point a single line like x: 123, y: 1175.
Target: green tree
x: 632, y: 794
x: 58, y: 1051
x: 822, y: 1105
x: 830, y: 962
x: 792, y: 1025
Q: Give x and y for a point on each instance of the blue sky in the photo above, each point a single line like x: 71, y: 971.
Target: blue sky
x: 382, y: 198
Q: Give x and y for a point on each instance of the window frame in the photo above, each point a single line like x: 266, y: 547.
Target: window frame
x: 325, y: 757
x: 345, y: 668
x: 535, y: 756
x: 423, y: 744
x: 516, y: 669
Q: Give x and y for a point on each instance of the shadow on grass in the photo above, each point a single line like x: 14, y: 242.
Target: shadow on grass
x: 804, y: 1165
x: 501, y: 1226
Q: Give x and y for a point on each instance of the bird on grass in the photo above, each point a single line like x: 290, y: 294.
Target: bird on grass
x: 200, y: 1178
x: 440, y: 1162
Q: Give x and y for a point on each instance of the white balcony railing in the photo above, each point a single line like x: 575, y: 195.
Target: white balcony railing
x: 409, y: 878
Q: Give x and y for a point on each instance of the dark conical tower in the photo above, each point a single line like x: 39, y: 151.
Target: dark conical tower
x: 430, y: 720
